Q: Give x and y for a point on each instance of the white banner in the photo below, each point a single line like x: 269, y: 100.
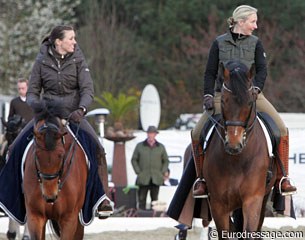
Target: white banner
x: 176, y: 142
x: 297, y: 167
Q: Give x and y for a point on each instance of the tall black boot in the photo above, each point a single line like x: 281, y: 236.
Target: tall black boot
x: 105, y: 209
x: 199, y: 187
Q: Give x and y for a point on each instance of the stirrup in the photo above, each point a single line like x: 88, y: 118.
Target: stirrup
x: 280, y: 187
x: 199, y: 196
x: 106, y: 213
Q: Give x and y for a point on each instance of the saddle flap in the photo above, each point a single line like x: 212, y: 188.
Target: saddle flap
x: 207, y: 130
x: 273, y: 130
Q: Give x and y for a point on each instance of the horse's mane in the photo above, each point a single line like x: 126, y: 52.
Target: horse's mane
x: 48, y: 110
x: 238, y: 80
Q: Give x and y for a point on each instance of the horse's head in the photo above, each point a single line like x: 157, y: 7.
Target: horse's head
x: 12, y: 127
x: 237, y: 105
x: 49, y: 151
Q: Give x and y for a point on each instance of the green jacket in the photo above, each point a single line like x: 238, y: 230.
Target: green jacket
x: 149, y: 163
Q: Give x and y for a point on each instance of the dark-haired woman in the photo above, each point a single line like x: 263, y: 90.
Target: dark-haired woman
x: 60, y: 73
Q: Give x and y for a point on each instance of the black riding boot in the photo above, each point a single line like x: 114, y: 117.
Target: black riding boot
x: 105, y: 209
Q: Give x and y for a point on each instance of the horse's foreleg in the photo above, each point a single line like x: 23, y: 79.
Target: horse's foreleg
x: 26, y: 230
x: 252, y: 214
x: 13, y: 227
x: 221, y: 217
x: 262, y: 214
x: 79, y: 234
x: 69, y: 228
x: 36, y: 226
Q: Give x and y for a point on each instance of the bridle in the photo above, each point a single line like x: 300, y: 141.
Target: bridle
x: 59, y: 174
x: 245, y: 124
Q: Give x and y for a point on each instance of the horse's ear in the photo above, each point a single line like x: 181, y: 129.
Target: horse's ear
x: 251, y: 71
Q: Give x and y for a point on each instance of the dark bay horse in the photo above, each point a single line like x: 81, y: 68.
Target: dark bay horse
x: 12, y: 128
x: 55, y: 175
x: 237, y: 159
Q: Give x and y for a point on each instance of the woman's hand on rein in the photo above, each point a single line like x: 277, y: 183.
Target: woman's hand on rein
x: 208, y: 102
x: 77, y: 115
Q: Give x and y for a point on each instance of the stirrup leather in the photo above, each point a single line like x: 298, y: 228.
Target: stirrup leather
x: 280, y: 186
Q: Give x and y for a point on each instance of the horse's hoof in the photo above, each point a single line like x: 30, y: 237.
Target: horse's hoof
x: 177, y: 237
x: 11, y: 235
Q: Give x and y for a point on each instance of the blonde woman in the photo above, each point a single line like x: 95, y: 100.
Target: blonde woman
x: 238, y: 43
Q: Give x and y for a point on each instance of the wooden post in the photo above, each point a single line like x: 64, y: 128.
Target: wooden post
x: 119, y: 170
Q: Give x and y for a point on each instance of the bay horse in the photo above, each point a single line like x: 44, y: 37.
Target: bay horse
x: 55, y: 175
x: 237, y: 160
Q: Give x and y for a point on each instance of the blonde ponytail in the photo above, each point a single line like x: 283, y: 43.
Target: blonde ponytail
x: 240, y: 13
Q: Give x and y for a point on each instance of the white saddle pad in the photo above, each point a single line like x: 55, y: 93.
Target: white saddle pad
x: 32, y: 141
x: 266, y: 133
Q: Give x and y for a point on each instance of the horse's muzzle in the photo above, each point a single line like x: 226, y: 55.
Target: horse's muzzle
x: 233, y: 149
x: 51, y: 199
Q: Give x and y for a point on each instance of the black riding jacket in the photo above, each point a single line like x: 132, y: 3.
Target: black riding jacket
x: 63, y: 79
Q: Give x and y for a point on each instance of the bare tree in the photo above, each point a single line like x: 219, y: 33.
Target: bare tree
x: 23, y: 24
x: 109, y: 48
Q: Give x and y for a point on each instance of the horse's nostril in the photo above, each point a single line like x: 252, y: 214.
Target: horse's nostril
x: 233, y: 150
x: 50, y: 199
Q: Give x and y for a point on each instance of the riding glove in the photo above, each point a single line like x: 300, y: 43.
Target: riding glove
x: 77, y: 115
x: 208, y: 102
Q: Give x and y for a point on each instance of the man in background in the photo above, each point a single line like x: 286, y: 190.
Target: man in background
x: 150, y: 163
x: 18, y: 105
